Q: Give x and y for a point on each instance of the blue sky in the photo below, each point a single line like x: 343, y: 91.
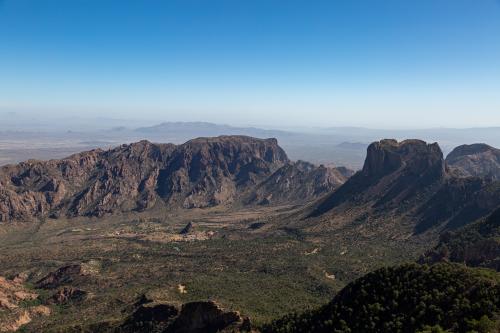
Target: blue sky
x: 420, y: 63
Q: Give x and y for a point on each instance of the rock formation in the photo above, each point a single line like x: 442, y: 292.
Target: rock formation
x: 193, y: 317
x: 478, y: 160
x: 410, y: 180
x: 17, y: 305
x: 200, y: 173
x: 299, y: 181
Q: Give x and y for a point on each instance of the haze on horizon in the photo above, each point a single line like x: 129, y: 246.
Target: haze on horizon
x: 387, y: 64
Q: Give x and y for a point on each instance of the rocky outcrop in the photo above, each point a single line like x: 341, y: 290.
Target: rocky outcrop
x: 67, y: 295
x: 478, y: 160
x: 410, y: 181
x: 194, y: 317
x: 68, y: 274
x: 198, y: 317
x: 187, y: 229
x: 392, y: 173
x: 297, y: 182
x: 90, y: 183
x: 18, y: 305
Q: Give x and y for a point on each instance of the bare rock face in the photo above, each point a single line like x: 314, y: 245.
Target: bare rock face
x: 478, y: 160
x: 212, y: 171
x: 409, y: 180
x: 187, y: 229
x: 63, y: 275
x: 197, y: 317
x: 194, y: 317
x: 200, y: 173
x: 298, y: 182
x: 409, y: 157
x: 15, y: 308
x: 392, y: 173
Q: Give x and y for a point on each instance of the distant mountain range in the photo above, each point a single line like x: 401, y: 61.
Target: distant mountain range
x: 23, y: 138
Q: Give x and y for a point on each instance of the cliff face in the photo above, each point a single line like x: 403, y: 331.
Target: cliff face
x: 410, y: 180
x: 201, y: 173
x: 478, y: 160
x: 90, y: 183
x: 298, y: 181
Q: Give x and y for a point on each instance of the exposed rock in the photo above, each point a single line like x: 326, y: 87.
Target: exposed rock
x: 15, y: 305
x: 150, y: 317
x: 63, y: 275
x: 298, y: 182
x: 187, y: 229
x: 200, y: 173
x: 478, y: 160
x: 194, y: 317
x: 206, y: 317
x: 409, y: 180
x: 68, y: 294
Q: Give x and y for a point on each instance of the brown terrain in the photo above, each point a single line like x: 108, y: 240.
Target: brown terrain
x: 179, y: 238
x: 410, y: 182
x: 18, y: 304
x: 204, y: 172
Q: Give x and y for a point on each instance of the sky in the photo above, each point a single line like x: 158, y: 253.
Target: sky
x: 384, y: 64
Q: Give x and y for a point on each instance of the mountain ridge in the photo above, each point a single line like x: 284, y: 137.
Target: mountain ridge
x: 202, y: 172
x: 410, y: 181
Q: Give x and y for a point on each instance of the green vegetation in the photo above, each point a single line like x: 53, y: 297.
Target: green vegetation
x: 477, y: 244
x: 407, y: 298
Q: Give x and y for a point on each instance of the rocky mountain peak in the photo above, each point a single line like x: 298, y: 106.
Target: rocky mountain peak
x: 387, y: 156
x: 478, y: 160
x: 409, y: 180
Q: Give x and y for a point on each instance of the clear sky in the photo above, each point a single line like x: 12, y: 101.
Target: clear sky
x: 399, y: 63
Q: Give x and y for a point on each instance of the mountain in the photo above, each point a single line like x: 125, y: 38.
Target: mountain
x: 477, y: 244
x: 407, y: 298
x: 409, y: 181
x: 300, y: 180
x: 478, y: 160
x: 185, y: 130
x: 200, y: 173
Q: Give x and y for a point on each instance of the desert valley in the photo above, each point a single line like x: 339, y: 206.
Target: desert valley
x: 227, y: 233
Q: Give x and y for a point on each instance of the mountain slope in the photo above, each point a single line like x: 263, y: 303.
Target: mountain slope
x: 478, y: 160
x: 407, y: 298
x: 298, y: 182
x: 477, y: 244
x: 409, y: 181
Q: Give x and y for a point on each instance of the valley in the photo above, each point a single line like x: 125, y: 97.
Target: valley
x: 105, y: 237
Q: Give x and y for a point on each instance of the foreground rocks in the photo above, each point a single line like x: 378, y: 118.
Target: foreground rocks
x: 194, y: 317
x: 68, y: 274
